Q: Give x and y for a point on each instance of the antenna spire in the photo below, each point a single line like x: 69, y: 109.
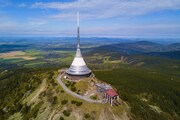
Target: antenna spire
x: 78, y: 34
x: 78, y: 18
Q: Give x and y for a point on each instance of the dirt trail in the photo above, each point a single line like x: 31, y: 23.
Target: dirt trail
x: 52, y: 115
x: 43, y: 87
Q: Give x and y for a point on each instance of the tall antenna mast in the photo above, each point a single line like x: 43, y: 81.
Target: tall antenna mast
x: 78, y: 18
x: 78, y: 34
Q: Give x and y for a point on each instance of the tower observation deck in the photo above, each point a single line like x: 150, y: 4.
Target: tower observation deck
x: 78, y: 66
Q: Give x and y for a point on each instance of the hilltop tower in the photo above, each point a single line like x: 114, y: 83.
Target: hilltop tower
x: 78, y: 66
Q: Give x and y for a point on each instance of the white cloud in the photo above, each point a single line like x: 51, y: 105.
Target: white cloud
x: 22, y: 5
x: 34, y: 22
x: 6, y: 23
x: 8, y: 27
x: 108, y: 8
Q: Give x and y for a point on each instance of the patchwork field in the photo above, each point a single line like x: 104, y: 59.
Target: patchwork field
x: 16, y: 54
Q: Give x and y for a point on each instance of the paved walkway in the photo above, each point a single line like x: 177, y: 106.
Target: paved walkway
x: 75, y: 94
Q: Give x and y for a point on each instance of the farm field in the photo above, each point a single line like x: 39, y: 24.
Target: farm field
x: 16, y: 54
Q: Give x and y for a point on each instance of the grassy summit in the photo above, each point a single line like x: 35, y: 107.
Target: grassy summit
x: 50, y: 101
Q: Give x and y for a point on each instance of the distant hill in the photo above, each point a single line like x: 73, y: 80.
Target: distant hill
x: 141, y: 48
x: 12, y: 47
x: 170, y: 54
x: 172, y: 47
x: 131, y: 48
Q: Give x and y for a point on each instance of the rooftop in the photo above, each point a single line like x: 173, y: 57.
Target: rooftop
x: 104, y: 86
x: 111, y: 92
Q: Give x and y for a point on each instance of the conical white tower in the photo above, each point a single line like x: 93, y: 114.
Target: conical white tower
x: 78, y: 66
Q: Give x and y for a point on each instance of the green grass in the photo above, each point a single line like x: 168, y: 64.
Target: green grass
x: 33, y: 53
x: 12, y: 60
x: 16, y: 116
x: 34, y: 64
x: 65, y: 52
x: 82, y: 86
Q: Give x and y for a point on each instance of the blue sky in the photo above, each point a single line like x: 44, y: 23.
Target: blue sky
x: 99, y: 18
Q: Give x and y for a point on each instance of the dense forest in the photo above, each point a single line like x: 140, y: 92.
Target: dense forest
x: 152, y: 95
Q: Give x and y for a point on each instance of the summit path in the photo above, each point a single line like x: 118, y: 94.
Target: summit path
x: 86, y: 98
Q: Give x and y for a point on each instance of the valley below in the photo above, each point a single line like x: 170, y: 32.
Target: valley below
x: 145, y: 74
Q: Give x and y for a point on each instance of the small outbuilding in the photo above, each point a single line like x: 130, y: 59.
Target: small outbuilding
x: 108, y: 93
x: 112, y: 97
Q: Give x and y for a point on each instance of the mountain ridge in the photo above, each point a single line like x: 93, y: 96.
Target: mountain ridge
x: 140, y: 47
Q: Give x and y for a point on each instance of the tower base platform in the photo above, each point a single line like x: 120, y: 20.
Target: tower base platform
x: 78, y: 77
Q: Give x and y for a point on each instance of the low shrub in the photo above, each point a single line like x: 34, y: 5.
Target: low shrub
x: 66, y: 113
x: 73, y: 102
x: 55, y: 100
x: 77, y: 103
x: 73, y: 89
x: 86, y: 115
x: 63, y: 102
x: 61, y: 118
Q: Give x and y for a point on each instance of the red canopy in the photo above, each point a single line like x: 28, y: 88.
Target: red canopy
x: 111, y: 92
